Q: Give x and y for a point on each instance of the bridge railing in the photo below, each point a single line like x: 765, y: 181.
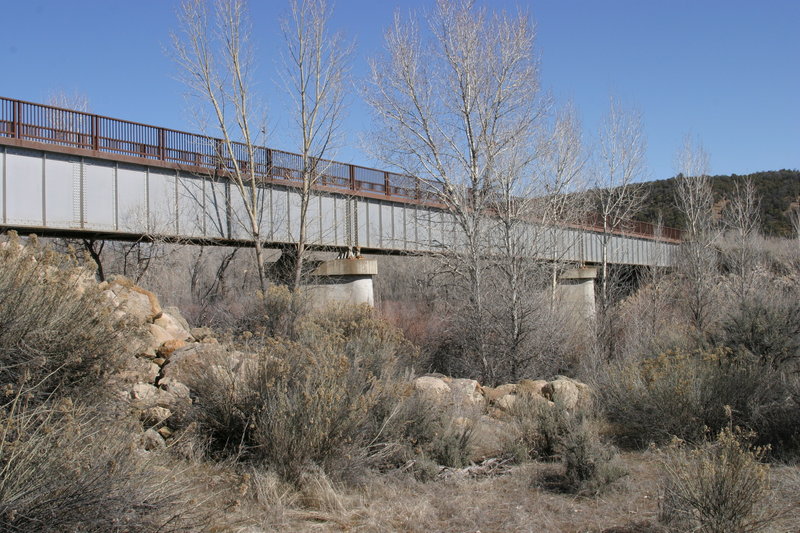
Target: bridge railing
x: 86, y: 131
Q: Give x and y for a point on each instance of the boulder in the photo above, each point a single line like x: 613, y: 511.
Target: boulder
x: 173, y: 327
x: 176, y: 315
x: 568, y: 393
x: 467, y: 393
x: 531, y: 387
x: 137, y: 302
x: 158, y: 336
x: 137, y: 369
x: 493, y: 393
x: 187, y: 361
x: 152, y: 440
x: 432, y: 388
x: 154, y: 415
x: 491, y: 438
x: 168, y: 347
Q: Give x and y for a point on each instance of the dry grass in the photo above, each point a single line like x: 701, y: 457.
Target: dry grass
x: 507, y: 503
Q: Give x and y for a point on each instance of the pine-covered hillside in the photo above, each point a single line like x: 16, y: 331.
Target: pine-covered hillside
x: 779, y: 191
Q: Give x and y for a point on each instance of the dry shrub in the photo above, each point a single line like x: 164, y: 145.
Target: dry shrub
x: 682, y: 394
x: 541, y: 426
x: 55, y: 335
x: 420, y: 435
x: 718, y: 487
x: 304, y: 402
x: 67, y: 468
x: 549, y: 431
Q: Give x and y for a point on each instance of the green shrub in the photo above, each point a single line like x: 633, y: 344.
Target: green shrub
x: 682, y: 394
x: 767, y: 328
x: 718, y: 487
x: 550, y: 432
x: 590, y: 465
x: 541, y: 426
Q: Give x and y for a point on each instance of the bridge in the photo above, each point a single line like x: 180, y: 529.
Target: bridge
x: 69, y: 173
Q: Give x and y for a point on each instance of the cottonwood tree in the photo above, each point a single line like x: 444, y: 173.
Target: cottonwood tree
x: 532, y: 205
x: 316, y: 68
x: 215, y: 52
x: 743, y: 222
x: 456, y: 99
x: 698, y: 258
x: 620, y: 165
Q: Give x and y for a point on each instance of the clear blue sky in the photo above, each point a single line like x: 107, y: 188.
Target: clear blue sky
x: 728, y: 71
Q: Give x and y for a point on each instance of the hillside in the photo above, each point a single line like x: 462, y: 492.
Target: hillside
x: 779, y: 190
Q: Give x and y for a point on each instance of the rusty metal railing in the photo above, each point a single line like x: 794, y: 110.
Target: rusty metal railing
x: 27, y: 121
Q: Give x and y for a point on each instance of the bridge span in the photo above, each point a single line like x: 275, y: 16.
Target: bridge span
x: 68, y: 173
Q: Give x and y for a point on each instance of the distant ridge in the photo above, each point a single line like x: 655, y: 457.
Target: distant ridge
x: 779, y: 191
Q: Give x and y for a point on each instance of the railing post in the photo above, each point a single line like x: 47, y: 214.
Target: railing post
x: 95, y: 132
x: 386, y: 183
x: 352, y: 177
x: 16, y: 120
x: 161, y: 150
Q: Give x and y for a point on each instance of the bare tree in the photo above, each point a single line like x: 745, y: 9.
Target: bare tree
x: 621, y: 164
x: 698, y: 260
x: 457, y: 106
x: 794, y: 218
x: 316, y: 68
x: 743, y: 221
x: 215, y: 53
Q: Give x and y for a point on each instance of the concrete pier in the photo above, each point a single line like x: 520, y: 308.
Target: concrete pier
x: 343, y: 281
x: 575, y: 288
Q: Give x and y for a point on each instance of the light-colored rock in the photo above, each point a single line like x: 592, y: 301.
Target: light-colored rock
x: 531, y: 387
x: 491, y: 438
x: 493, y: 393
x: 186, y: 362
x: 172, y: 327
x: 505, y: 403
x: 155, y: 415
x: 158, y: 336
x: 143, y: 392
x: 176, y: 389
x: 152, y: 440
x: 168, y: 347
x: 467, y: 393
x: 432, y: 388
x: 137, y: 369
x: 165, y: 432
x: 176, y: 315
x: 568, y: 393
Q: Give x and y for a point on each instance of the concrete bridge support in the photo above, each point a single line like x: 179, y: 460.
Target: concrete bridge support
x: 575, y: 289
x: 343, y: 281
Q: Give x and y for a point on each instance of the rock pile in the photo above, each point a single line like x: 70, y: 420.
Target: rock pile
x: 487, y: 411
x: 154, y: 383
